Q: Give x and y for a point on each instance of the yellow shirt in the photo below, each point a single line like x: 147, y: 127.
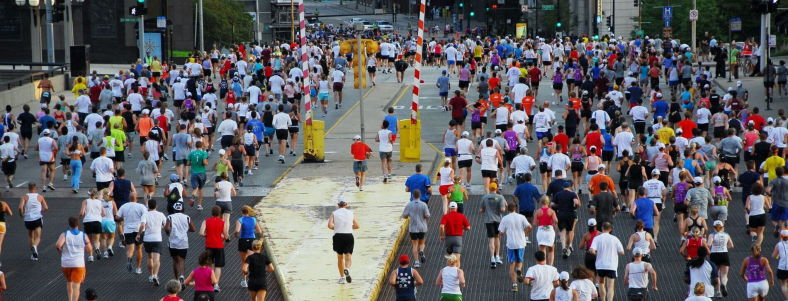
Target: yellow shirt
x: 155, y: 66
x: 78, y: 87
x: 477, y: 52
x: 664, y: 134
x: 772, y: 163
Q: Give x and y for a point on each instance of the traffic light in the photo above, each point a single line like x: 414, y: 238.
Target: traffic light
x: 771, y: 5
x: 487, y: 9
x: 636, y: 2
x: 473, y: 13
x: 460, y: 4
x: 558, y: 25
x: 495, y: 6
x: 58, y: 11
x: 609, y: 21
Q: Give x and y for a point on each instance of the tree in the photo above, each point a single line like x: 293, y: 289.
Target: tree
x: 226, y: 22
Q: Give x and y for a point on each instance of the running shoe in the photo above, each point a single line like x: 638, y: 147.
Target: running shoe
x: 422, y: 258
x: 199, y: 207
x: 520, y: 277
x: 568, y: 252
x: 216, y: 288
x: 121, y: 245
x: 156, y: 281
x: 498, y: 260
x: 336, y: 107
x: 416, y: 264
x: 717, y: 295
x: 243, y: 283
x: 256, y: 163
x: 90, y: 258
x: 156, y: 181
x: 191, y: 202
x: 129, y: 267
x: 384, y: 179
x: 361, y: 188
x: 106, y: 255
x: 65, y: 177
x: 75, y: 190
x: 33, y: 258
x: 241, y: 183
x: 129, y: 155
x: 138, y: 271
x: 515, y: 288
x: 724, y: 290
x: 564, y: 253
x: 35, y: 251
x: 347, y: 276
x: 7, y: 188
x: 25, y: 155
x: 271, y: 151
x: 255, y: 167
x: 358, y: 181
x: 150, y: 278
x: 51, y: 186
x: 166, y: 158
x: 341, y: 280
x: 98, y: 254
x: 492, y: 265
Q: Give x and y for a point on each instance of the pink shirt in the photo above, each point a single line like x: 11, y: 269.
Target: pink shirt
x: 202, y: 279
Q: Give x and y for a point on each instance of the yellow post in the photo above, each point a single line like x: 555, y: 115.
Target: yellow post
x: 314, y: 141
x: 410, y: 141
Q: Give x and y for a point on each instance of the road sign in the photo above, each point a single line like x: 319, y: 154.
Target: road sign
x: 161, y: 22
x: 693, y: 15
x: 548, y: 7
x: 128, y: 20
x: 524, y: 8
x: 667, y: 23
x: 508, y: 21
x: 735, y: 24
x: 666, y: 32
x: 532, y: 3
x: 461, y: 17
x: 639, y: 33
x: 667, y: 13
x: 772, y: 40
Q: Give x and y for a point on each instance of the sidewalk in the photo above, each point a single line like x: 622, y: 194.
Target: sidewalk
x: 296, y: 212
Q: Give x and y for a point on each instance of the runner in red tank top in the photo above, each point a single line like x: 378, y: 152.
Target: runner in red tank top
x: 214, y: 232
x: 590, y: 259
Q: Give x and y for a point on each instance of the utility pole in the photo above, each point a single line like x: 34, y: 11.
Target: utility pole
x: 292, y: 19
x: 142, y: 36
x: 694, y: 35
x: 50, y: 34
x: 360, y: 29
x: 764, y: 49
x: 68, y: 31
x: 202, y: 30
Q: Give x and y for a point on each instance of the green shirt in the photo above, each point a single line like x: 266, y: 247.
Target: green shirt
x: 733, y: 55
x: 456, y: 195
x: 196, y: 158
x: 120, y: 137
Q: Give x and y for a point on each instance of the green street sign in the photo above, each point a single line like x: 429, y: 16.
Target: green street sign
x: 639, y: 33
x: 548, y: 7
x: 127, y: 20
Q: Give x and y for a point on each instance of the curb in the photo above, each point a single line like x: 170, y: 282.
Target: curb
x: 383, y: 277
x: 270, y: 252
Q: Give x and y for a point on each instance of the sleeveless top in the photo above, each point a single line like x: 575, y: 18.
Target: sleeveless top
x: 560, y: 293
x: 681, y: 192
x: 92, y: 211
x: 756, y: 205
x: 720, y: 243
x: 456, y: 195
x: 405, y: 284
x: 476, y: 116
x: 343, y: 221
x: 694, y: 223
x: 642, y: 243
x: 247, y: 227
x: 638, y: 276
x: 464, y: 149
x: 688, y: 166
x: 73, y: 255
x: 593, y: 164
x: 576, y: 154
x: 782, y: 263
x: 511, y: 139
x: 202, y: 279
x: 624, y: 168
x: 109, y: 210
x: 221, y: 167
x: 544, y: 156
x: 450, y: 139
x: 692, y: 246
x: 719, y: 196
x: 237, y: 154
x: 571, y: 119
x: 32, y: 208
x: 755, y: 271
x: 545, y: 219
x: 121, y: 191
x: 451, y: 281
x: 249, y: 139
x: 445, y: 173
x: 593, y: 234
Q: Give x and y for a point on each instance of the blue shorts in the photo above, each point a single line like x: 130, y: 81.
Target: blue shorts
x: 779, y: 213
x: 539, y: 135
x: 515, y: 255
x: 322, y: 96
x: 269, y: 132
x: 673, y: 83
x: 450, y: 152
x: 198, y: 180
x: 108, y: 226
x: 444, y: 94
x: 450, y: 62
x: 359, y: 166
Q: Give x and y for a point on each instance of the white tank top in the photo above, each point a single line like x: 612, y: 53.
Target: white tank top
x: 224, y: 191
x: 206, y: 119
x: 782, y: 263
x: 70, y: 126
x: 642, y: 243
x: 343, y: 221
x: 563, y: 295
x: 248, y: 139
x: 32, y: 208
x: 451, y: 281
x: 152, y: 146
x: 464, y: 149
x: 45, y: 153
x: 385, y: 144
x: 638, y: 277
x: 73, y: 255
x: 756, y: 205
x: 720, y: 243
x: 92, y: 211
x: 109, y: 210
x: 446, y: 176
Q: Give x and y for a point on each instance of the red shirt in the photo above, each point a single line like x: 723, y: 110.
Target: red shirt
x: 562, y: 139
x: 214, y: 227
x: 757, y: 120
x: 687, y: 126
x: 457, y: 105
x: 493, y: 82
x: 163, y: 122
x: 594, y: 139
x: 359, y: 151
x: 534, y: 74
x: 454, y: 223
x: 652, y: 60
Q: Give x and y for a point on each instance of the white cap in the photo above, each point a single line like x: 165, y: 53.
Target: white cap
x: 45, y: 132
x: 679, y: 131
x: 730, y: 89
x: 357, y: 137
x: 655, y: 172
x: 716, y: 179
x: 44, y: 106
x: 341, y: 201
x: 751, y: 122
x: 717, y: 223
x: 637, y: 251
x: 221, y: 151
x: 465, y: 134
x: 498, y: 131
x: 229, y: 106
x: 659, y: 95
x: 206, y: 108
x: 453, y: 205
x: 738, y: 83
x: 564, y: 276
x: 601, y: 166
x: 769, y: 120
x: 145, y: 112
x: 784, y: 232
x: 188, y: 93
x: 706, y: 85
x: 591, y: 222
x: 698, y: 180
x: 585, y: 92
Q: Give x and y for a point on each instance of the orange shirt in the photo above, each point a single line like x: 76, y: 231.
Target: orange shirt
x: 359, y: 151
x: 145, y: 124
x: 593, y: 184
x: 485, y: 105
x: 575, y: 103
x: 493, y: 82
x: 496, y: 98
x: 528, y: 103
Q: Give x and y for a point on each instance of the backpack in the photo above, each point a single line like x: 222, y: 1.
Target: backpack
x: 174, y: 195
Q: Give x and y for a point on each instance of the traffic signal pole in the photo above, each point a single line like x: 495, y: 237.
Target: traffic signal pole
x: 141, y: 40
x: 50, y: 34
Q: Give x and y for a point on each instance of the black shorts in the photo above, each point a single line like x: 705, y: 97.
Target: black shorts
x: 417, y: 235
x: 460, y: 121
x: 250, y: 151
x: 492, y: 229
x: 768, y: 84
x: 256, y: 284
x: 534, y: 85
x: 92, y: 227
x: 464, y: 84
x: 608, y: 155
x: 585, y: 113
x: 50, y: 163
x: 245, y: 244
x: 782, y: 274
x: 704, y: 127
x: 142, y: 140
x: 371, y: 69
x: 217, y: 256
x: 476, y: 125
x: 577, y: 166
x: 152, y: 246
x: 680, y: 208
x: 32, y: 225
x: 719, y: 132
x: 204, y: 296
x: 281, y: 134
x: 26, y: 134
x: 720, y: 259
x: 343, y: 243
x: 65, y: 161
x: 465, y: 163
x: 227, y: 141
x: 543, y: 167
x: 527, y: 213
x: 607, y: 273
x: 9, y: 168
x: 757, y: 221
x: 501, y: 127
x: 660, y: 206
x: 131, y: 239
x: 547, y: 63
x: 489, y: 174
x: 179, y: 253
x: 510, y: 154
x: 119, y: 156
x: 640, y: 127
x: 590, y: 262
x: 570, y: 81
x: 686, y: 81
x: 558, y: 86
x: 483, y: 119
x: 619, y: 81
x: 567, y: 223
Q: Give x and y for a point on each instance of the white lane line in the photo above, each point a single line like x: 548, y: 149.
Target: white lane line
x: 20, y: 184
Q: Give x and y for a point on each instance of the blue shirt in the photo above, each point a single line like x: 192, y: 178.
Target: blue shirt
x: 645, y: 212
x: 420, y: 182
x: 661, y: 109
x: 392, y: 123
x: 668, y: 62
x: 635, y: 93
x: 527, y: 194
x: 608, y: 142
x: 247, y: 227
x: 46, y: 118
x: 257, y: 128
x: 443, y: 84
x: 595, y: 72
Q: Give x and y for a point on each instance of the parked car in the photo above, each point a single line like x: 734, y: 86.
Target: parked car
x: 385, y: 25
x: 367, y: 24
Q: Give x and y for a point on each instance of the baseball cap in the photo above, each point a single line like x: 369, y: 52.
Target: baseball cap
x: 706, y: 85
x: 591, y: 222
x: 178, y: 207
x: 357, y: 137
x: 145, y: 112
x: 784, y: 232
x: 493, y: 186
x: 698, y: 180
x: 188, y: 94
x: 637, y: 251
x: 567, y: 184
x: 717, y: 223
x: 679, y: 131
x: 717, y: 179
x: 615, y: 86
x: 738, y: 83
x: 730, y: 89
x: 465, y: 134
x: 341, y: 201
x: 659, y: 95
x: 585, y: 92
x: 443, y: 72
x: 177, y: 79
x: 221, y: 152
x: 453, y: 205
x: 206, y: 108
x: 229, y: 106
x: 751, y: 122
x: 45, y: 132
x: 44, y: 106
x: 655, y: 172
x: 769, y: 120
x: 592, y: 148
x: 498, y: 131
x: 564, y: 276
x: 174, y: 178
x: 601, y: 166
x: 404, y: 258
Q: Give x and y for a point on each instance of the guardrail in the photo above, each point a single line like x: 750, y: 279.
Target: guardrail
x: 31, y: 77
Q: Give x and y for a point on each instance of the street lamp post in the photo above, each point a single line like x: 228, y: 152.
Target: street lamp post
x: 50, y: 33
x: 35, y: 28
x: 68, y: 30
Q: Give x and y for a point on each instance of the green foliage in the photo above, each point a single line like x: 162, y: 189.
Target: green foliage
x: 180, y: 53
x: 221, y: 16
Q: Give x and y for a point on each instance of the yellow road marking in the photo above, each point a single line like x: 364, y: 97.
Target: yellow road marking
x: 443, y: 158
x: 407, y: 87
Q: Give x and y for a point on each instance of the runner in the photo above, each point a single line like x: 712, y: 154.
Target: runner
x: 451, y: 279
x: 465, y: 151
x: 223, y: 191
x: 607, y: 248
x: 203, y: 277
x: 131, y: 214
x: 405, y: 279
x: 566, y: 203
x: 47, y: 148
x: 720, y: 242
x: 150, y: 234
x: 343, y: 222
x: 31, y: 208
x: 542, y: 278
x: 197, y: 160
x: 108, y: 225
x: 92, y: 213
x: 754, y: 270
x: 636, y: 276
x: 385, y: 138
x: 213, y: 230
x: 517, y: 229
x: 281, y: 123
x: 8, y: 154
x: 492, y: 205
x: 418, y: 213
x: 546, y: 221
x: 148, y: 170
x: 177, y: 228
x: 72, y: 246
x: 255, y: 266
